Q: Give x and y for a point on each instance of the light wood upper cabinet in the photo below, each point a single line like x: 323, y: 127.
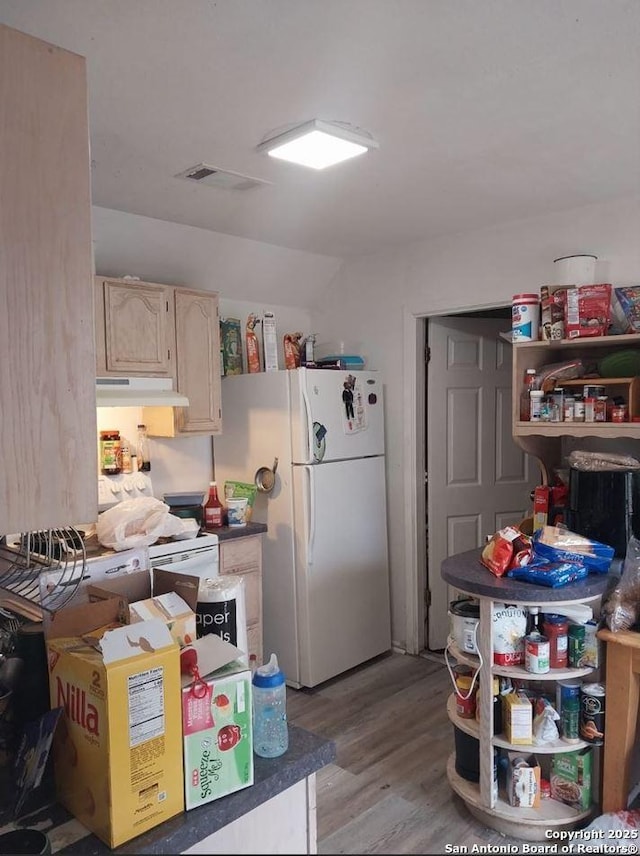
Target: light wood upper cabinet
x: 135, y: 328
x: 48, y: 456
x: 198, y: 358
x: 153, y: 330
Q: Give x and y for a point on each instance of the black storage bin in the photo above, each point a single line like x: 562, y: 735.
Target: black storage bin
x: 605, y: 506
x: 467, y: 755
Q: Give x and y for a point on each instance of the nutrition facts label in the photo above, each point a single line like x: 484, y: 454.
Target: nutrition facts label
x: 146, y: 705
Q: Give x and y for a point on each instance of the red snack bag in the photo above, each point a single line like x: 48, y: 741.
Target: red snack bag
x: 587, y: 311
x: 508, y: 548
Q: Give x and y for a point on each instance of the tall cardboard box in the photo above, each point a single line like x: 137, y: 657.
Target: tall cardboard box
x: 217, y: 723
x: 118, y: 745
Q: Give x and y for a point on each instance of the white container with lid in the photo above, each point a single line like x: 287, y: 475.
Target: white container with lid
x: 576, y: 270
x: 525, y: 317
x: 536, y: 405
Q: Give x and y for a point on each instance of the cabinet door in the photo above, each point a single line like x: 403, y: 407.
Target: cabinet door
x: 138, y: 328
x: 198, y: 361
x: 243, y: 556
x: 48, y: 453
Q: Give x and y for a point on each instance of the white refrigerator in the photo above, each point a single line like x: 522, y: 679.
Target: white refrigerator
x: 325, y: 554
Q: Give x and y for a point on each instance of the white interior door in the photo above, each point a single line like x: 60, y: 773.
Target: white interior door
x: 478, y: 479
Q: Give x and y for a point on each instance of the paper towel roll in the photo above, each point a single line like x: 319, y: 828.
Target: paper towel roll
x: 221, y: 610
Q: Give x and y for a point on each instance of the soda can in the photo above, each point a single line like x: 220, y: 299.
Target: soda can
x: 592, y: 708
x: 576, y: 644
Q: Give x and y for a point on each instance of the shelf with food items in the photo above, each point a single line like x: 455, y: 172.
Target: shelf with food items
x: 530, y: 824
x: 564, y: 376
x: 471, y: 727
x: 553, y: 756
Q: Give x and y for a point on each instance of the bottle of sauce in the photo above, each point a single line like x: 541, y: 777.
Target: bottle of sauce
x: 556, y: 629
x: 142, y: 450
x: 213, y: 510
x: 127, y: 466
x: 525, y: 395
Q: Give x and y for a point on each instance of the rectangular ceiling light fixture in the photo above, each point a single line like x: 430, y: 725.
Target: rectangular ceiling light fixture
x: 318, y: 144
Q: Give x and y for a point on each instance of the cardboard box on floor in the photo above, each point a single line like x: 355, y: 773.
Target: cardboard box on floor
x: 118, y: 747
x: 170, y: 597
x: 217, y: 723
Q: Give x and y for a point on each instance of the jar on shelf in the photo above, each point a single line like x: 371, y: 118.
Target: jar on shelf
x: 556, y: 629
x: 537, y: 396
x: 110, y: 453
x: 600, y: 409
x: 578, y: 408
x: 619, y: 413
x: 525, y: 396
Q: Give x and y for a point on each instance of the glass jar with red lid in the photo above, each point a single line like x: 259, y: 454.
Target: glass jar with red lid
x: 556, y: 629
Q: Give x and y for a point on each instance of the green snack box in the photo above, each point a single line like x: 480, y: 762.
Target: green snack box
x: 571, y: 778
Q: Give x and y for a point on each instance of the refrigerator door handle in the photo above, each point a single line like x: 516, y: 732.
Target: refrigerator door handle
x: 307, y: 410
x: 311, y: 520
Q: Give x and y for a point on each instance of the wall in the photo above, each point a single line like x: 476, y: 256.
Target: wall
x: 375, y: 299
x: 248, y: 275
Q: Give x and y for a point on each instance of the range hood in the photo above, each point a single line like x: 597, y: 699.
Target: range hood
x: 138, y: 392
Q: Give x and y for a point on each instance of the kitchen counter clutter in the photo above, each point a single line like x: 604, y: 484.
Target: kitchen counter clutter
x: 529, y: 820
x: 281, y: 802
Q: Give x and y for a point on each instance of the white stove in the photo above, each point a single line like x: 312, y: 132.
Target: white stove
x: 199, y: 556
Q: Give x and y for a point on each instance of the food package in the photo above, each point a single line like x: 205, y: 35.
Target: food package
x: 571, y: 778
x: 517, y: 718
x: 556, y: 544
x: 621, y: 608
x: 507, y: 548
x: 625, y: 308
x: 523, y: 780
x: 587, y: 311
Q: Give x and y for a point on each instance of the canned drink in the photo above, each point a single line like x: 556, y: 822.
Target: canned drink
x: 576, y: 644
x: 536, y: 653
x: 592, y: 709
x: 568, y: 706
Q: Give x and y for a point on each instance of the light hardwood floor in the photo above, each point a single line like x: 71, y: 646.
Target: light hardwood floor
x: 387, y: 791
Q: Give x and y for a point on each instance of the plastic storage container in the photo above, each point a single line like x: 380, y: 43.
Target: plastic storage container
x: 270, y: 730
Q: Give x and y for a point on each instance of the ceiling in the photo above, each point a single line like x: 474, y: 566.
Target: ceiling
x: 484, y: 112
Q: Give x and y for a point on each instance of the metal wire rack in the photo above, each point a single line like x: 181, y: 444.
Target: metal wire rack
x: 41, y: 571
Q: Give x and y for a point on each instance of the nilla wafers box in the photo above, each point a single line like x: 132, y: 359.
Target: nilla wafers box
x: 118, y: 746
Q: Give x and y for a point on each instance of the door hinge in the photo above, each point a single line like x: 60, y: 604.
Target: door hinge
x: 427, y: 355
x: 427, y: 598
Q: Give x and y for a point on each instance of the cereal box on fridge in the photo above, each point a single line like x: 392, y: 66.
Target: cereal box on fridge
x: 117, y: 749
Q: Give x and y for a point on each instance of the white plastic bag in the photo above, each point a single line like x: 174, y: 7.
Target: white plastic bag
x: 136, y: 522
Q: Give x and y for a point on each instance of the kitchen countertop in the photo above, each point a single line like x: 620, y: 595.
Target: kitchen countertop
x: 226, y: 533
x: 307, y: 754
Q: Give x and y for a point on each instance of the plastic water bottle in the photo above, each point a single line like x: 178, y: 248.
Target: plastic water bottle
x: 270, y: 731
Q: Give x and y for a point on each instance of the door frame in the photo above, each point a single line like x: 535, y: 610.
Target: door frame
x: 414, y: 443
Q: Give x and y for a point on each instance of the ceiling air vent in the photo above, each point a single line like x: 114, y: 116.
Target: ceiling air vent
x: 202, y: 173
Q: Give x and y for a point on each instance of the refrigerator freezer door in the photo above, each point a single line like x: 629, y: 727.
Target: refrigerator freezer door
x: 335, y: 415
x: 342, y: 576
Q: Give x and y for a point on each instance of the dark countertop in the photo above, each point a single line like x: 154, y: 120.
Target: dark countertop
x: 466, y: 572
x: 307, y: 754
x: 226, y: 533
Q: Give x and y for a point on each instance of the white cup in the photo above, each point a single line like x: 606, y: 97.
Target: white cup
x: 237, y: 511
